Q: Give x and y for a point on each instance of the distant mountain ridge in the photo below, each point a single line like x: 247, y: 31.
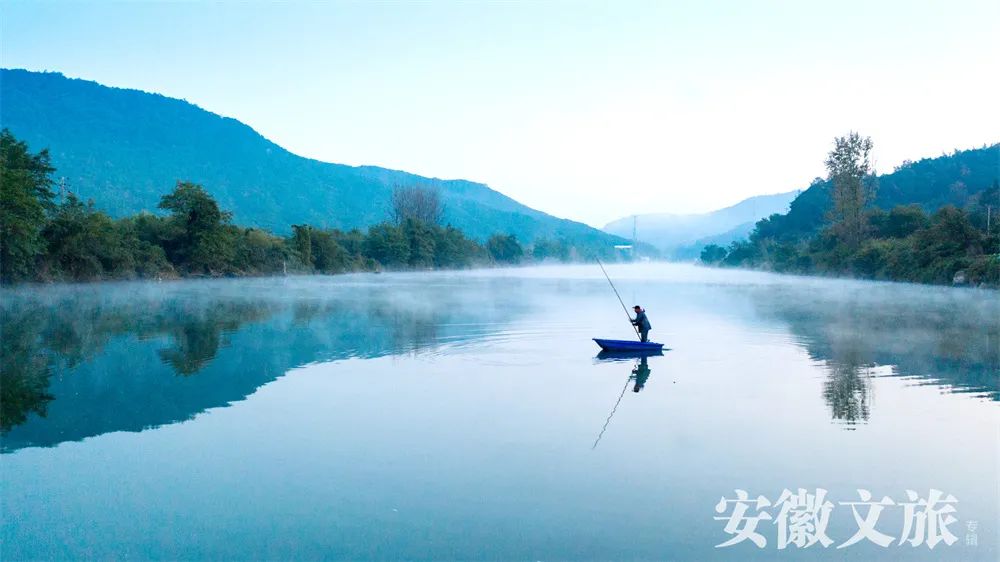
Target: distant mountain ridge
x: 125, y: 148
x: 951, y: 179
x: 673, y: 233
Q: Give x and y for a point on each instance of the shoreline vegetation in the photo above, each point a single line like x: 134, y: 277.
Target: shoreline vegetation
x: 47, y: 237
x: 850, y: 237
x: 50, y: 237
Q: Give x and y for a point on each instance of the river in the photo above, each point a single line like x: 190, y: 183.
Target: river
x: 466, y: 415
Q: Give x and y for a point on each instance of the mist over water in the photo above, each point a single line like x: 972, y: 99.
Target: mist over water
x: 454, y: 415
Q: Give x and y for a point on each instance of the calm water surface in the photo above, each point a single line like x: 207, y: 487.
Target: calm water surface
x: 466, y: 415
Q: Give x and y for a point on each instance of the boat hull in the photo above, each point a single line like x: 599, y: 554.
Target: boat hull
x: 629, y: 345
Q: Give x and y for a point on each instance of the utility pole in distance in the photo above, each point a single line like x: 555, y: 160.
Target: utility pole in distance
x: 635, y: 223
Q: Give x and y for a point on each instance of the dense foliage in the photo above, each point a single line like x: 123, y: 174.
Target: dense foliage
x: 25, y: 195
x: 124, y: 149
x: 933, y: 221
x: 46, y: 236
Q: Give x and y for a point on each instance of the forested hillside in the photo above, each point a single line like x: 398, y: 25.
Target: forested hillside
x: 125, y: 149
x: 46, y: 235
x: 953, y: 179
x: 931, y: 221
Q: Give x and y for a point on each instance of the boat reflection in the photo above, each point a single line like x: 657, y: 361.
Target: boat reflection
x: 627, y: 355
x: 640, y: 374
x: 638, y: 377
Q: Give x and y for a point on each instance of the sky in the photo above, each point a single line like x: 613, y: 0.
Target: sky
x: 586, y: 110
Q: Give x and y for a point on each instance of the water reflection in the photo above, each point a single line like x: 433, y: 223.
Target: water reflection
x: 200, y: 332
x: 41, y: 341
x: 640, y: 370
x: 84, y: 361
x: 638, y: 376
x: 126, y: 362
x: 628, y: 356
x: 482, y: 434
x: 846, y: 390
x: 24, y: 373
x: 934, y: 336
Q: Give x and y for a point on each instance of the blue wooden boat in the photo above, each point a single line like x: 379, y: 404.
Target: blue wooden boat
x: 629, y: 345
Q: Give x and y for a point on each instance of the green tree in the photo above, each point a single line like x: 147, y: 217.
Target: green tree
x: 872, y: 258
x: 352, y: 241
x: 545, y: 248
x: 741, y: 253
x: 984, y: 209
x: 25, y: 195
x: 849, y: 167
x: 202, y: 244
x: 947, y: 246
x: 83, y: 244
x: 453, y: 249
x: 902, y: 221
x: 713, y: 254
x: 260, y: 252
x: 504, y: 248
x: 328, y: 254
x: 302, y: 242
x: 421, y: 239
x: 387, y: 244
x: 146, y: 235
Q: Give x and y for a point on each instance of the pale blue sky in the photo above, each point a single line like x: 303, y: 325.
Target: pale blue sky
x: 590, y: 111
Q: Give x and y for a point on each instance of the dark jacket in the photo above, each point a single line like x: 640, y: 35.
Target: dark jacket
x: 642, y: 322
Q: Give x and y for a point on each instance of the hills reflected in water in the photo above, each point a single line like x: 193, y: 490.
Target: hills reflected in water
x: 937, y: 336
x: 83, y: 361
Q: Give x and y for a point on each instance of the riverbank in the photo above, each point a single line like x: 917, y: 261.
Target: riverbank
x: 950, y: 247
x: 959, y: 280
x: 50, y: 238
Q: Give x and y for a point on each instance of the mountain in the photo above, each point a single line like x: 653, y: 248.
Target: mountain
x: 126, y: 148
x: 693, y: 250
x: 673, y: 233
x: 929, y: 222
x: 958, y: 179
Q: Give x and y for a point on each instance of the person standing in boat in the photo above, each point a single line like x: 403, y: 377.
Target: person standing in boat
x: 642, y: 323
